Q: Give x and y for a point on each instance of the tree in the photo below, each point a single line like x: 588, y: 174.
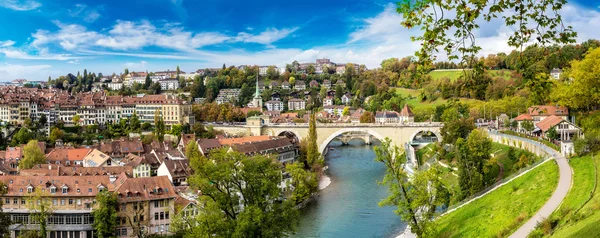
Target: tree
x: 272, y: 73
x: 147, y: 82
x: 451, y: 25
x: 339, y: 92
x: 310, y: 69
x: 455, y: 125
x: 346, y: 111
x: 40, y: 208
x: 76, y: 120
x: 32, y: 155
x: 198, y: 87
x: 5, y: 221
x: 176, y: 130
x: 527, y: 126
x: 23, y: 136
x: 105, y: 214
x: 582, y: 91
x: 134, y: 123
x: 56, y: 134
x: 241, y: 196
x: 302, y: 182
x: 126, y: 71
x: 159, y: 126
x: 472, y: 156
x: 552, y: 134
x: 416, y: 199
x: 292, y: 81
x: 367, y: 117
x: 43, y: 120
x: 313, y: 155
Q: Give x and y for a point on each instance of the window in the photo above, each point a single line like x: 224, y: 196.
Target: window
x: 29, y: 189
x: 156, y: 229
x: 15, y: 201
x: 7, y: 201
x: 64, y: 190
x: 156, y: 216
x: 20, y: 190
x: 52, y: 190
x: 55, y: 202
x: 167, y: 215
x: 156, y: 203
x: 162, y: 215
x: 62, y: 202
x: 78, y: 201
x: 23, y: 201
x: 89, y: 190
x: 78, y: 190
x: 70, y: 201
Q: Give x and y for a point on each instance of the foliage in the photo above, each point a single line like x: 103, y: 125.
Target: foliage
x: 40, y: 208
x: 303, y: 182
x: 241, y: 196
x: 451, y: 25
x: 32, y: 155
x: 56, y: 134
x: 367, y: 117
x: 213, y: 112
x: 5, y: 221
x: 582, y: 92
x: 456, y: 124
x: 23, y: 136
x: 416, y: 199
x: 472, y: 156
x: 159, y: 126
x: 552, y: 134
x: 313, y: 157
x: 105, y: 214
x: 527, y: 126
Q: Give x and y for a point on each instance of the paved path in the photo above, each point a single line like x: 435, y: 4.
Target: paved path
x: 564, y: 183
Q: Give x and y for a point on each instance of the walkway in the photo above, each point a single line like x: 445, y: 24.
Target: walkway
x: 564, y: 184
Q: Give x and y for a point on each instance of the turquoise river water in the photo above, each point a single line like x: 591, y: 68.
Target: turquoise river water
x: 348, y: 206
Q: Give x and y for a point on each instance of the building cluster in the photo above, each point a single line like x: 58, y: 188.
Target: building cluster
x: 150, y: 181
x: 94, y: 108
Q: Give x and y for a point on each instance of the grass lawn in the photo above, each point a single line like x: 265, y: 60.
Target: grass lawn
x: 502, y: 211
x: 585, y: 222
x: 455, y: 74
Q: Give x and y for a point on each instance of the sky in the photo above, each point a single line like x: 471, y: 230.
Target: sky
x: 41, y: 38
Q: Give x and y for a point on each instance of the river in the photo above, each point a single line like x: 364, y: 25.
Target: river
x: 348, y: 206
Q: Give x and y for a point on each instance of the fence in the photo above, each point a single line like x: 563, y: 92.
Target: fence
x: 549, y: 154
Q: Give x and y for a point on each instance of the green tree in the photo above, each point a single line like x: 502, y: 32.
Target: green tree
x: 527, y: 126
x: 5, y: 221
x: 302, y: 182
x: 292, y: 81
x: 105, y: 214
x: 198, y: 87
x: 455, y: 125
x: 134, y: 123
x: 56, y: 134
x: 40, y: 208
x: 346, y: 111
x: 241, y: 196
x: 176, y: 130
x: 310, y: 69
x: 32, y: 155
x: 472, y: 156
x: 76, y: 120
x: 313, y: 156
x: 147, y: 82
x: 582, y: 91
x: 159, y: 126
x: 415, y: 199
x: 451, y: 25
x: 552, y: 134
x: 23, y: 136
x: 272, y: 73
x: 339, y: 92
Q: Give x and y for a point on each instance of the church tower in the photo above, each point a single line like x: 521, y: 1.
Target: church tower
x: 257, y: 100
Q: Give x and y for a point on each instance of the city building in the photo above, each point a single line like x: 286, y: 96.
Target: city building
x: 387, y: 117
x: 228, y: 95
x: 285, y: 85
x: 169, y: 84
x: 326, y: 83
x: 328, y: 101
x: 274, y: 105
x: 296, y: 104
x: 346, y: 98
x: 406, y: 115
x: 300, y: 85
x: 281, y: 147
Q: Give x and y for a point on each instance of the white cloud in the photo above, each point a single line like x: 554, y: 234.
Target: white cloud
x: 33, y: 72
x: 20, y: 5
x: 69, y: 36
x: 136, y: 66
x: 266, y: 37
x: 74, y: 62
x: 19, y: 54
x: 82, y: 11
x: 7, y: 43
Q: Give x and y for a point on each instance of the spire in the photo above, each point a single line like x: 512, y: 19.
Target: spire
x: 257, y: 92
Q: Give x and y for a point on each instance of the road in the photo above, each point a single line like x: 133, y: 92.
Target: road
x: 564, y: 183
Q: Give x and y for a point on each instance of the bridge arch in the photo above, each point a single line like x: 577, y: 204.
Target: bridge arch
x: 331, y: 137
x: 286, y: 132
x: 437, y: 134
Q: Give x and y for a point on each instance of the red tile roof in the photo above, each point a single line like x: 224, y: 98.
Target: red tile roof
x: 548, y: 110
x: 524, y: 117
x: 549, y: 122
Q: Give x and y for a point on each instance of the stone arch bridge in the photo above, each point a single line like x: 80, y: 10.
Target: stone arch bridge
x: 399, y: 133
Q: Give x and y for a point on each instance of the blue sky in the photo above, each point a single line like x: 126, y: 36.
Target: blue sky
x: 39, y: 38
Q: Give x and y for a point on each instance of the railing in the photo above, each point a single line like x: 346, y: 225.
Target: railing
x: 326, y: 125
